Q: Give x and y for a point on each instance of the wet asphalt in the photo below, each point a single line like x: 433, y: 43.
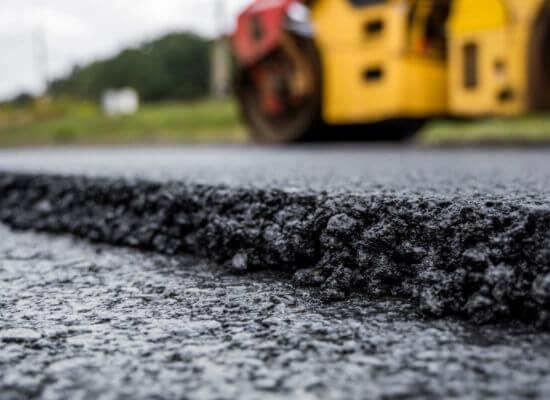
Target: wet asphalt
x: 82, y: 321
x: 341, y: 272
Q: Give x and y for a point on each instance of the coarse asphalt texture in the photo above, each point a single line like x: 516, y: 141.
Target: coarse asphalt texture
x: 462, y: 233
x: 83, y: 321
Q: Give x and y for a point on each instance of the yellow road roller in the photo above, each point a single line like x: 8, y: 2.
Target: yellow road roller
x: 381, y: 68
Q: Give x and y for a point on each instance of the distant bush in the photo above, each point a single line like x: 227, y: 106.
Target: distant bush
x: 174, y: 67
x: 22, y: 100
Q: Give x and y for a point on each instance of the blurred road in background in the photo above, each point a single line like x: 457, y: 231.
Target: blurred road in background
x: 353, y: 168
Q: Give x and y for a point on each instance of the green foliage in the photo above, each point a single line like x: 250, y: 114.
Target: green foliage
x: 22, y: 100
x: 174, y: 67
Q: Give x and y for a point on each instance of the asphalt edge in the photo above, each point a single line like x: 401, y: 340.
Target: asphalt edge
x: 478, y: 259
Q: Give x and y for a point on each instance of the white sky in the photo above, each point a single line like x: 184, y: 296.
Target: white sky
x: 78, y: 31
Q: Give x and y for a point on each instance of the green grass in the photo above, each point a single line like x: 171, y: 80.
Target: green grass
x: 200, y: 122
x: 528, y: 129
x: 66, y: 122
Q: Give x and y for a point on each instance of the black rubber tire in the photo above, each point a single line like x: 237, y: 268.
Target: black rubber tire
x: 539, y: 62
x: 303, y: 124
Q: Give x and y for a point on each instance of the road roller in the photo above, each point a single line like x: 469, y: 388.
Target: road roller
x: 310, y: 70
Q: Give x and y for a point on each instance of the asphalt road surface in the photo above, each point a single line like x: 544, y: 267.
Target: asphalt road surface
x: 94, y: 322
x: 323, y: 272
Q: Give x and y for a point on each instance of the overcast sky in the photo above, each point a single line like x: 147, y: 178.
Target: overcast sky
x: 77, y: 31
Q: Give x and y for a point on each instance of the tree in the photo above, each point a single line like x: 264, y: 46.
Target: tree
x: 174, y: 67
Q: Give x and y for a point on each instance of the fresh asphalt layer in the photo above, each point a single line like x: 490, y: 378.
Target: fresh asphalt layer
x: 349, y: 272
x: 463, y: 233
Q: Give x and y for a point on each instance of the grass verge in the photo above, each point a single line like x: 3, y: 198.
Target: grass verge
x: 200, y: 122
x: 66, y: 122
x: 530, y: 129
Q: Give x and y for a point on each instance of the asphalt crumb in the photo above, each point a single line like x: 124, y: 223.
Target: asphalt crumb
x: 83, y: 321
x: 482, y: 257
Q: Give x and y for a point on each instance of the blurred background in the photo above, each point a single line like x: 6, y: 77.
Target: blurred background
x: 148, y: 72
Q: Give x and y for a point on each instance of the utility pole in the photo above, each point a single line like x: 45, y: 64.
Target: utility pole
x: 40, y: 55
x: 221, y: 58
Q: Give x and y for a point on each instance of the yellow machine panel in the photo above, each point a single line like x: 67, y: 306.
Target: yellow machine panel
x: 374, y: 69
x: 489, y: 56
x: 371, y: 69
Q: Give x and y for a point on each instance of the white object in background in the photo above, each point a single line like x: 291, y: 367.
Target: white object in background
x: 120, y: 101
